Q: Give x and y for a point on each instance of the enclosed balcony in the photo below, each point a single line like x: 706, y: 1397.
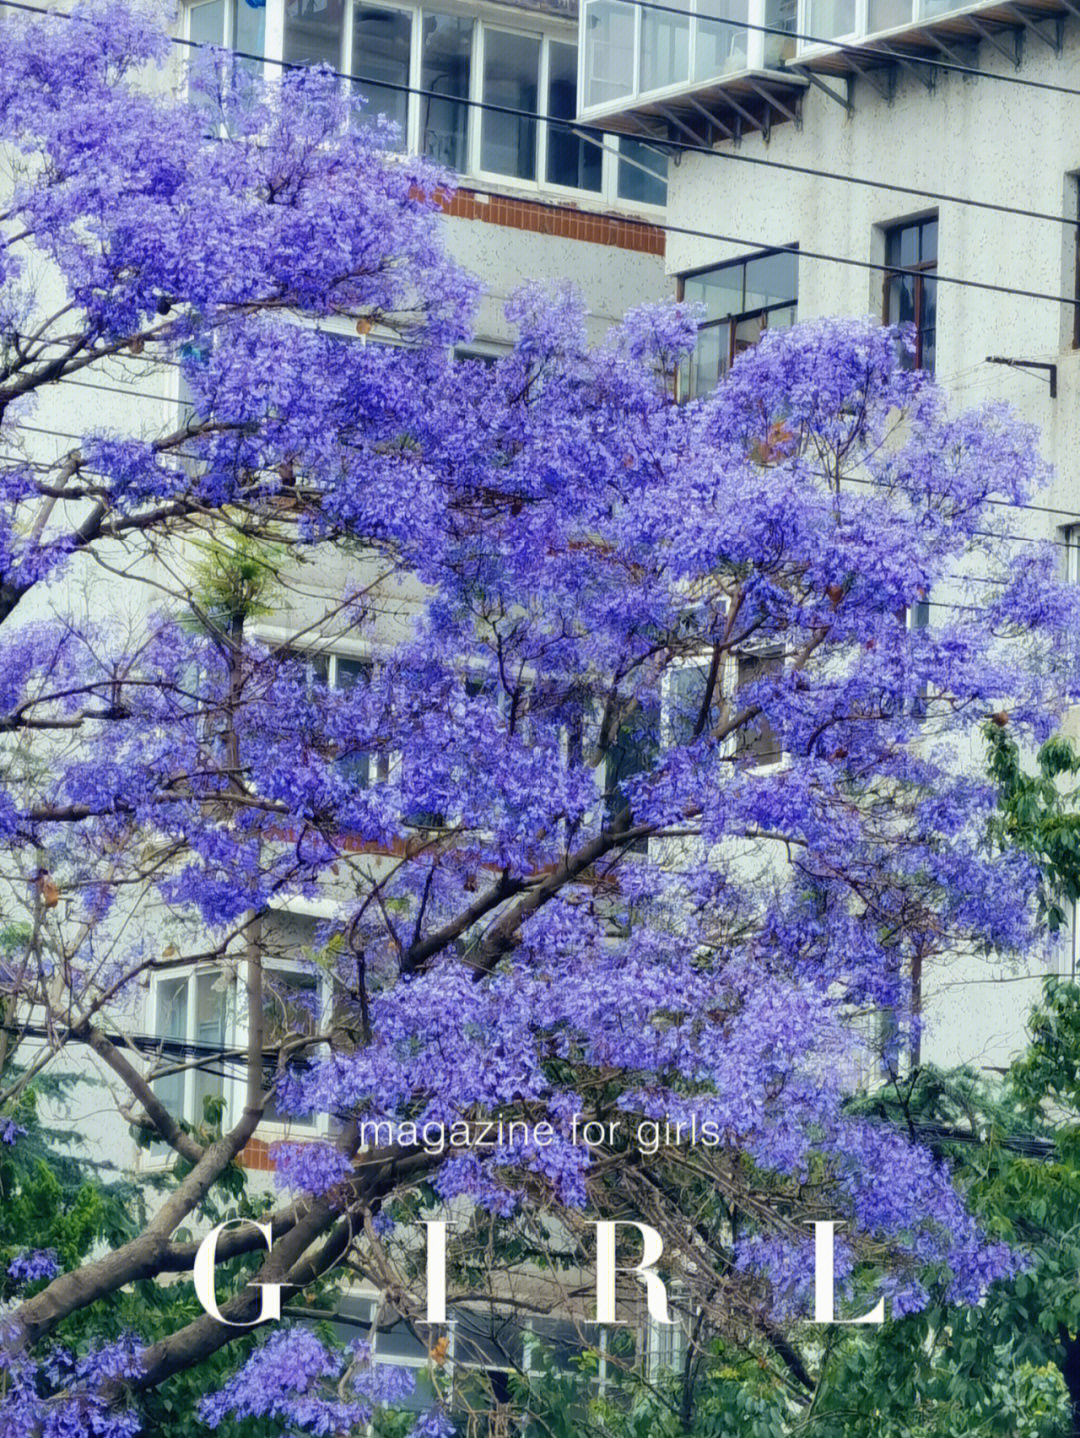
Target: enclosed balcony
x: 714, y: 68
x: 720, y: 66
x: 852, y: 36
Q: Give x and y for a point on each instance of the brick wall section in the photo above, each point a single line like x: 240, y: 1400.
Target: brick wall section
x: 562, y: 221
x: 255, y: 1155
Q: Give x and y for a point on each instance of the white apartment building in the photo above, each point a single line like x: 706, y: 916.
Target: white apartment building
x: 959, y: 100
x: 536, y: 201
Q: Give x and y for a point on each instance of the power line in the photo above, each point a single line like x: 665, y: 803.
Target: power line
x: 863, y: 49
x: 584, y: 130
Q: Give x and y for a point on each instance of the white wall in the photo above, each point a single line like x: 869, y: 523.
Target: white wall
x: 976, y: 138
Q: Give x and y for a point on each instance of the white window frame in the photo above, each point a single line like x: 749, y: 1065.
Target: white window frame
x: 274, y: 1129
x: 728, y: 678
x: 605, y: 197
x: 190, y: 974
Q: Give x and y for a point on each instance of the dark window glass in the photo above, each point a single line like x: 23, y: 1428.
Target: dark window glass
x: 686, y: 693
x: 758, y: 741
x: 444, y: 78
x: 382, y: 42
x: 313, y: 32
x: 911, y: 298
x: 290, y: 1008
x: 570, y: 161
x: 642, y: 173
x: 362, y: 766
x: 634, y: 752
x: 741, y: 301
x: 511, y: 78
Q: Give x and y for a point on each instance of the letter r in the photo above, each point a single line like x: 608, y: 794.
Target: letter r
x: 655, y: 1291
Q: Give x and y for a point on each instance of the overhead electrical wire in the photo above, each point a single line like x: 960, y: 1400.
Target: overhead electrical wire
x: 580, y: 128
x: 666, y: 226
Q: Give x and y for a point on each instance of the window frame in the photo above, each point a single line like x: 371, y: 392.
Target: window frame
x: 918, y: 271
x: 189, y: 975
x: 733, y: 320
x: 611, y: 160
x: 381, y: 765
x: 734, y: 748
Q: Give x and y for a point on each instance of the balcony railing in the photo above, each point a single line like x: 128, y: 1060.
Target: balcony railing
x: 633, y: 56
x: 713, y: 68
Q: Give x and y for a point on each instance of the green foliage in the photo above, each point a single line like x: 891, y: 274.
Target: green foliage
x: 1038, y: 813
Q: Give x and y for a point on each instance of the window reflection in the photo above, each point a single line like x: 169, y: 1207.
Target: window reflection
x: 444, y: 77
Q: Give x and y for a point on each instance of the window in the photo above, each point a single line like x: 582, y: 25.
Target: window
x: 296, y: 999
x: 433, y: 74
x: 1071, y: 537
x: 336, y: 671
x: 633, y: 753
x: 758, y: 742
x: 685, y: 687
x: 642, y: 173
x: 382, y: 48
x: 911, y: 297
x: 292, y: 1000
x: 571, y: 162
x: 1075, y: 182
x: 234, y: 24
x: 189, y: 1019
x: 830, y: 19
x: 721, y: 45
x: 609, y: 47
x: 511, y: 80
x: 918, y: 617
x: 445, y: 69
x: 741, y: 301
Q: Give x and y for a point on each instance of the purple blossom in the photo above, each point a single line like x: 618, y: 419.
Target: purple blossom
x: 33, y: 1265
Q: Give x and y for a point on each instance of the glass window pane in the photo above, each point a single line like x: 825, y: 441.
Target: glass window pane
x: 781, y: 17
x: 686, y: 692
x: 747, y: 333
x: 291, y: 1004
x: 511, y: 78
x: 444, y: 77
x: 642, y: 173
x: 901, y: 307
x: 830, y: 19
x: 887, y: 14
x: 758, y: 740
x: 170, y: 1022
x: 720, y: 291
x: 249, y: 28
x: 349, y: 671
x: 720, y: 46
x: 928, y: 241
x: 313, y: 32
x: 382, y: 42
x: 709, y: 359
x: 665, y: 50
x: 609, y: 51
x: 207, y: 23
x: 570, y: 161
x: 209, y: 1029
x: 769, y: 280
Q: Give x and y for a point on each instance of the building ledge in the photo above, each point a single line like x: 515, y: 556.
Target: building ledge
x: 949, y: 35
x: 724, y: 109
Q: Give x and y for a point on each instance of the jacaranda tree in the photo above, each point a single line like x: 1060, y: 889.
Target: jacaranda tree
x: 649, y: 788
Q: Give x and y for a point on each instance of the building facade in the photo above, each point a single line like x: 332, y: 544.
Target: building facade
x: 854, y: 157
